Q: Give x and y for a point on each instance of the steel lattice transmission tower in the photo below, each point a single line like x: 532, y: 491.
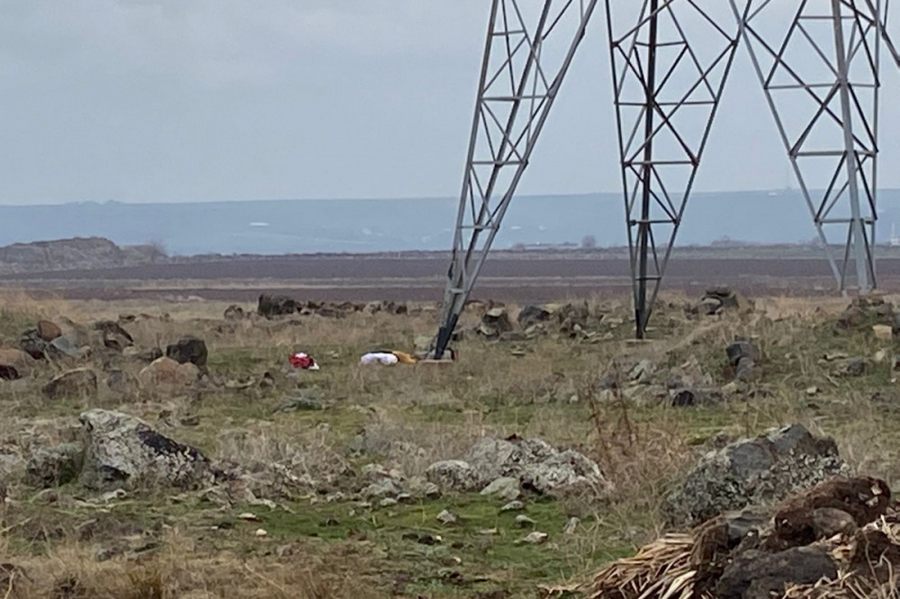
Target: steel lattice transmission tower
x: 670, y: 62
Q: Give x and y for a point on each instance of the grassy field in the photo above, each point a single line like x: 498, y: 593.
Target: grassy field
x: 321, y: 538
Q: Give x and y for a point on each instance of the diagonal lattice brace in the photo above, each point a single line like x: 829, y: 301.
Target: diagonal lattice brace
x: 670, y: 62
x: 529, y: 48
x: 826, y: 112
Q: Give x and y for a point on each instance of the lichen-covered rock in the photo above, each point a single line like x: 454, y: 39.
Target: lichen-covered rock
x: 536, y: 464
x: 765, y: 469
x: 53, y: 466
x: 80, y: 382
x: 120, y: 449
x: 455, y: 475
x: 113, y: 335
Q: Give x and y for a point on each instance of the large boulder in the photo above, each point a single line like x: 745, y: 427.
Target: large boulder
x: 167, y: 372
x: 188, y: 350
x: 767, y: 468
x: 32, y: 344
x: 121, y: 449
x: 80, y: 382
x: 277, y: 305
x: 14, y: 364
x: 537, y: 466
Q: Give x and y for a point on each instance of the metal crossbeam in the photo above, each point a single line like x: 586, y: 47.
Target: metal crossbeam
x: 529, y: 48
x: 667, y: 85
x: 826, y: 111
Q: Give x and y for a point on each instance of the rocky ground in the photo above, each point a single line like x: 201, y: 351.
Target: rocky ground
x: 170, y: 450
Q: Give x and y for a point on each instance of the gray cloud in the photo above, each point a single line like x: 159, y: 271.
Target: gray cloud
x: 169, y: 100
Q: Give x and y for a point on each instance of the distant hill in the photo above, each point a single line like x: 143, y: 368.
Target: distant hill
x: 368, y: 226
x: 76, y: 253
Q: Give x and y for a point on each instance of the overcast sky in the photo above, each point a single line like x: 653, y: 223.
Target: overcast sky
x: 200, y: 100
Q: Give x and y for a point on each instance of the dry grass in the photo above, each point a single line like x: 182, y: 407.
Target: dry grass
x: 407, y: 418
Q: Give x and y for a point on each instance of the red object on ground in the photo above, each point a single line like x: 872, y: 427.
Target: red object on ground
x: 304, y: 361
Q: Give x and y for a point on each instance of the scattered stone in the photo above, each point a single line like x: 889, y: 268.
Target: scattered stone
x: 684, y: 398
x: 742, y: 355
x: 81, y: 382
x: 167, y: 372
x: 535, y: 538
x: 64, y: 346
x: 121, y: 448
x: 248, y: 517
x: 571, y: 525
x: 751, y: 471
x: 276, y: 305
x: 455, y: 475
x: 423, y: 538
x: 382, y: 488
x: 494, y: 323
x: 261, y: 533
x: 812, y: 391
x: 447, y: 518
x: 533, y: 462
x: 48, y: 331
x: 719, y: 299
x: 866, y: 310
x: 234, y: 312
x: 32, y: 344
x: 15, y: 364
x: 852, y: 367
x: 513, y: 506
x: 388, y: 502
x: 531, y: 315
x: 53, y: 466
x: 505, y: 487
x: 188, y: 350
x: 114, y: 336
x: 523, y: 521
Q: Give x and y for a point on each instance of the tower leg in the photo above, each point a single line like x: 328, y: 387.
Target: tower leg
x: 667, y: 86
x: 529, y: 48
x: 826, y: 112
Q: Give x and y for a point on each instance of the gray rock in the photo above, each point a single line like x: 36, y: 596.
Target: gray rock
x: 533, y: 462
x: 383, y: 488
x: 765, y: 469
x: 447, y: 518
x: 505, y: 487
x: 120, y: 448
x: 81, y: 382
x: 53, y: 466
x: 758, y: 575
x: 494, y: 323
x: 535, y: 538
x: 523, y: 521
x: 513, y: 506
x: 571, y: 525
x: 455, y: 475
x: 64, y: 345
x: 742, y: 355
